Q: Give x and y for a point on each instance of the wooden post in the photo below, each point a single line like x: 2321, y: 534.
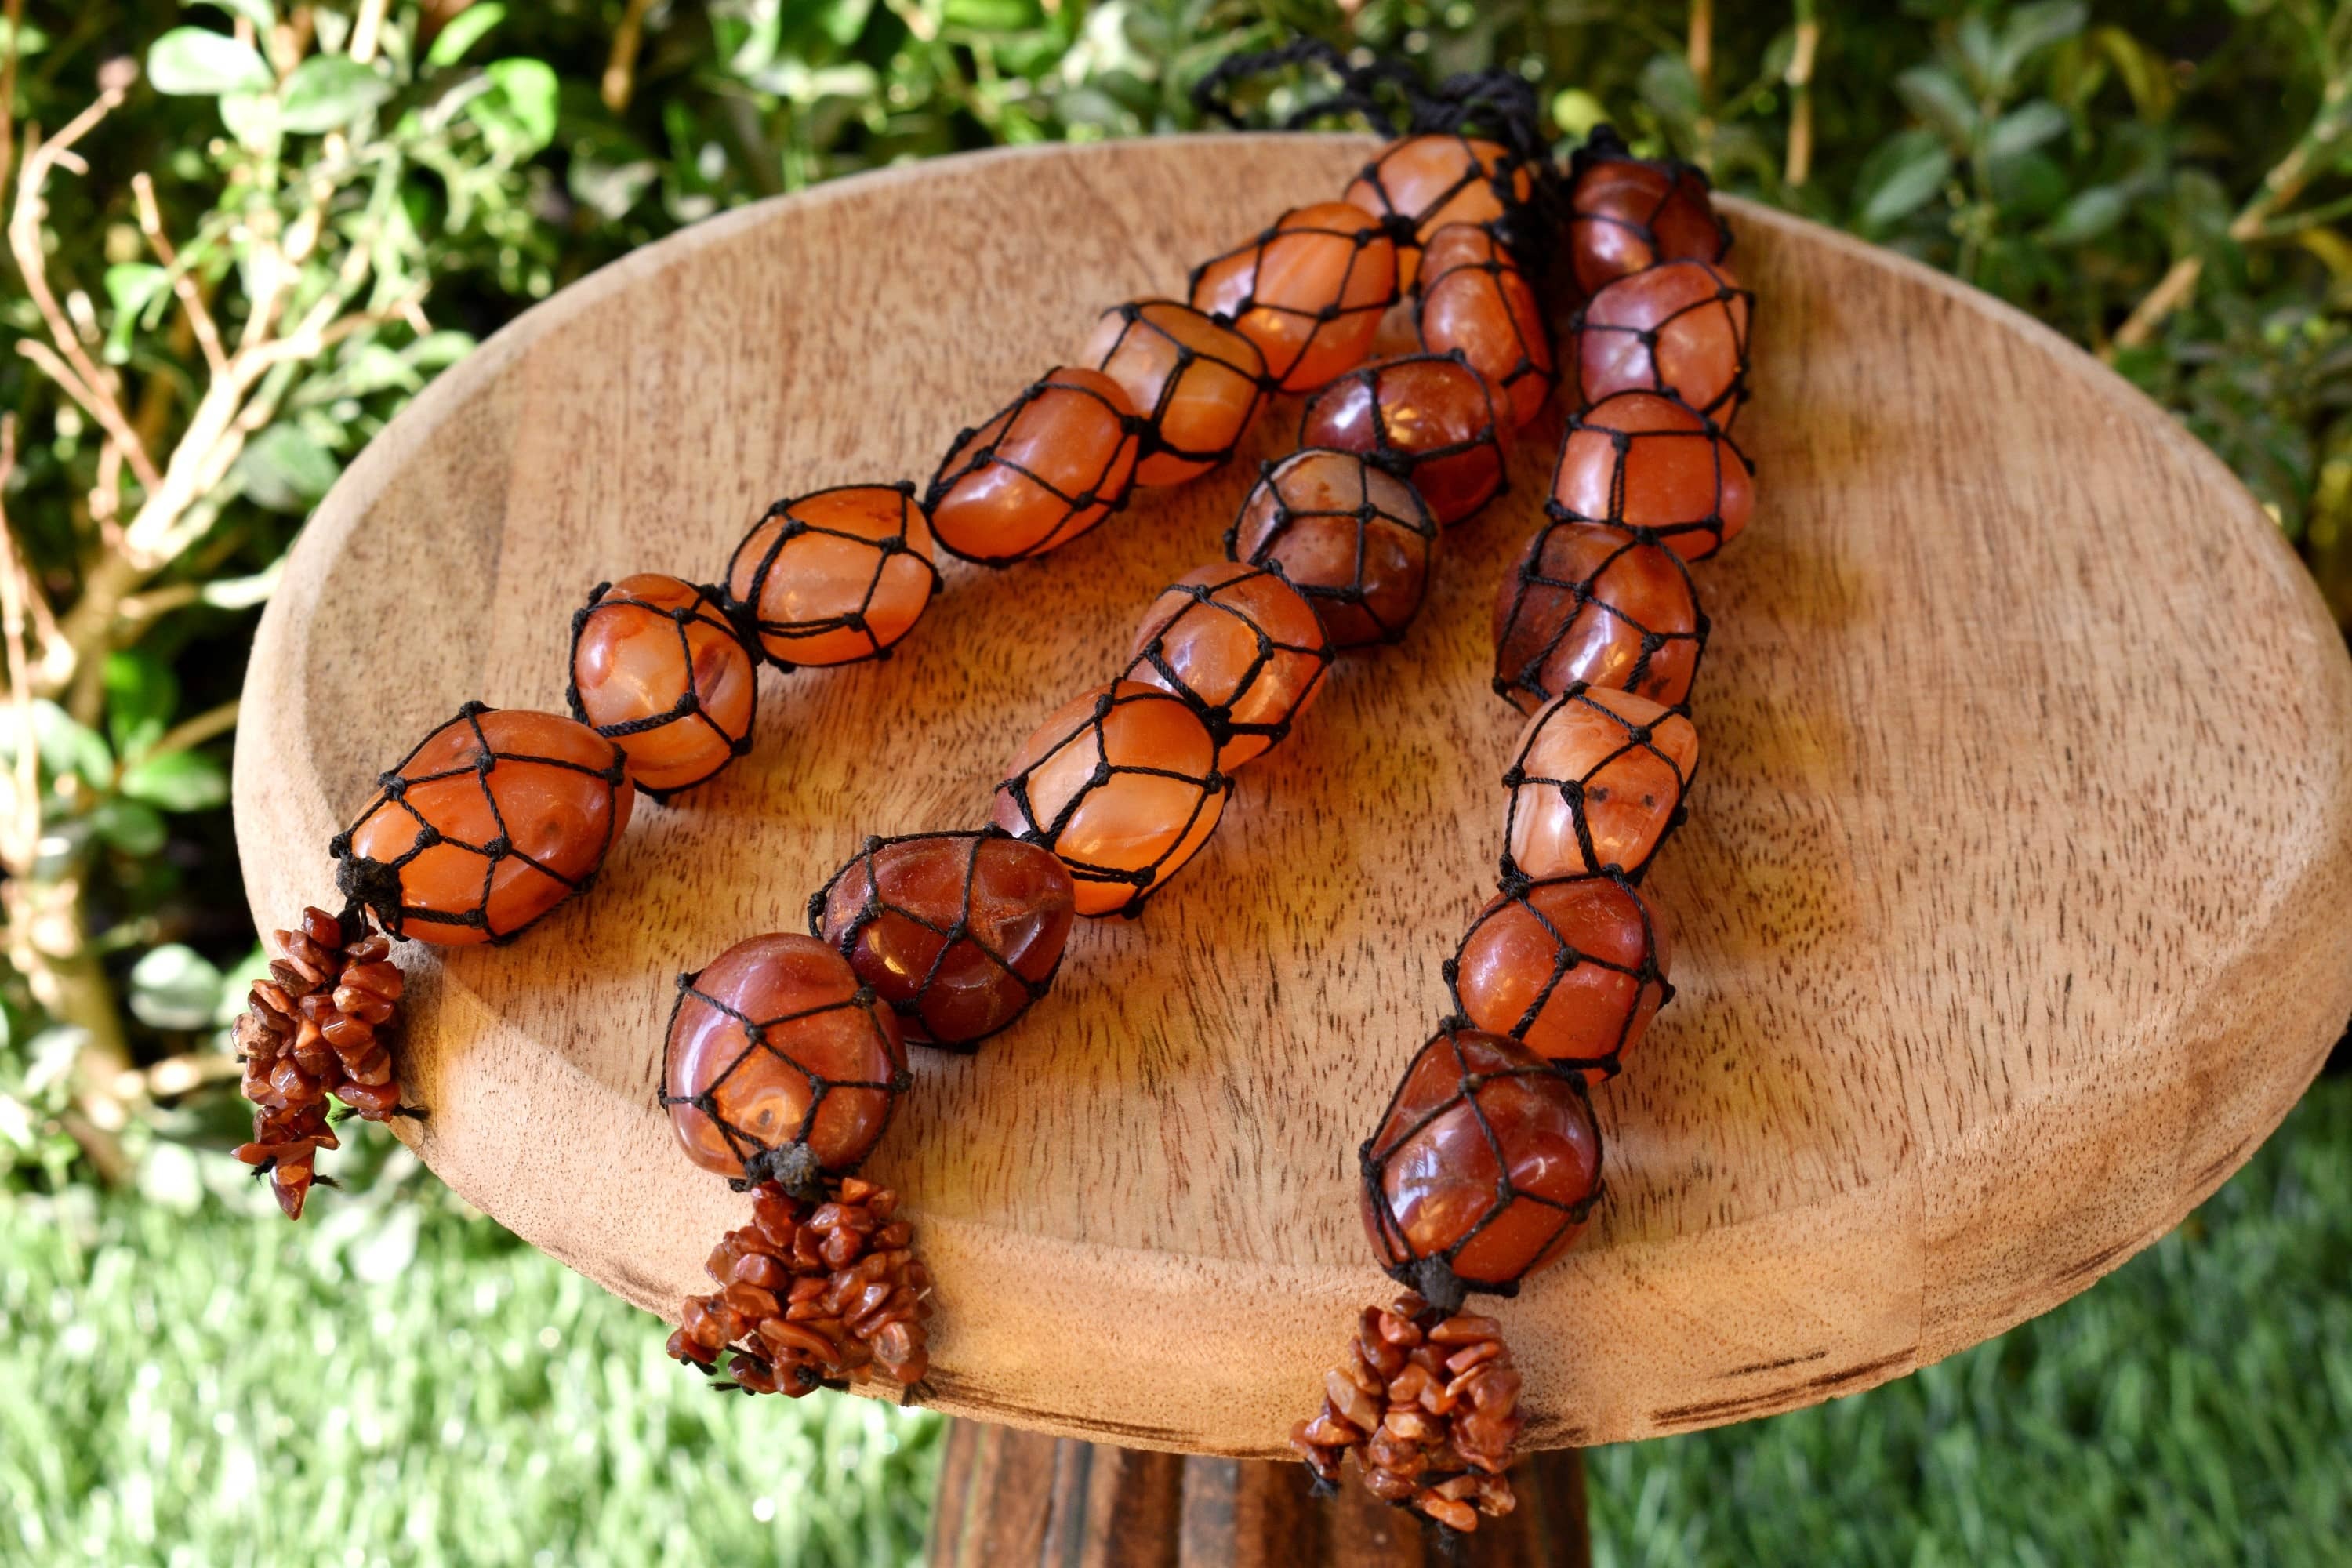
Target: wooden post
x: 1008, y: 1499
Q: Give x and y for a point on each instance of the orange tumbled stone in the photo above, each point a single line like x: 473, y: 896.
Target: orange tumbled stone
x: 1475, y: 298
x: 1429, y: 419
x: 1043, y: 470
x: 1592, y: 604
x: 657, y: 668
x: 836, y: 576
x: 1196, y: 382
x: 1679, y: 329
x: 1433, y: 180
x: 1122, y: 784
x: 1484, y: 1169
x: 1574, y: 970
x: 778, y: 1066
x: 1627, y: 212
x: 1356, y: 543
x: 1309, y: 291
x: 1241, y: 646
x: 1596, y: 784
x: 1641, y: 461
x: 499, y: 816
x: 959, y: 933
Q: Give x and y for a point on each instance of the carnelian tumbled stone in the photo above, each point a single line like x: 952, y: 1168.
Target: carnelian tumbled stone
x: 836, y: 576
x: 1196, y: 382
x: 1626, y: 214
x: 1355, y: 542
x: 1679, y: 329
x: 1423, y: 183
x: 1573, y: 968
x: 1429, y: 419
x: 499, y: 816
x: 1641, y: 461
x: 779, y: 1066
x: 959, y: 933
x: 1241, y: 646
x: 658, y: 667
x: 1308, y: 292
x: 1596, y: 785
x: 1594, y: 603
x: 1484, y: 1169
x: 1122, y: 783
x: 1476, y: 299
x: 1043, y: 470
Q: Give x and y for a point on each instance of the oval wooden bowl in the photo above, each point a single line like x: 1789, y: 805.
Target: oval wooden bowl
x: 2010, y: 913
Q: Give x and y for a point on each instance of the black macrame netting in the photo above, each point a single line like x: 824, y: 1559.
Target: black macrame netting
x: 1277, y: 664
x: 1568, y: 609
x: 1525, y: 900
x: 709, y: 611
x: 1336, y: 318
x: 962, y: 936
x: 789, y: 1162
x: 1489, y: 269
x: 1386, y: 548
x: 1033, y: 824
x: 1472, y: 1061
x: 1729, y: 310
x: 1409, y: 452
x: 782, y: 527
x: 375, y: 884
x: 1075, y: 510
x: 1683, y: 208
x: 1143, y: 329
x: 1595, y: 785
x: 1692, y: 531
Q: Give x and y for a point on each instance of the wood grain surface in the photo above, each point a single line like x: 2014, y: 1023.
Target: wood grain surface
x: 2012, y: 914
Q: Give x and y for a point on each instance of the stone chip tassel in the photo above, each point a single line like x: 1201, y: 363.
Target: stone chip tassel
x: 314, y: 1028
x: 812, y: 1292
x: 1427, y: 1401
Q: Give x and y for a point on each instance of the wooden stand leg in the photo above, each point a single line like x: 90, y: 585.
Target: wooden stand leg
x: 1009, y: 1500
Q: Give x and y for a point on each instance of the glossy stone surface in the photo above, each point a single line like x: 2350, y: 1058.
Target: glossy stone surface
x: 640, y: 648
x: 1644, y: 461
x: 1440, y: 1171
x: 1197, y: 381
x: 1308, y: 292
x: 1572, y: 970
x: 1586, y: 602
x: 1435, y: 180
x: 837, y: 576
x: 1431, y: 420
x: 1614, y: 763
x: 951, y: 928
x: 1241, y: 645
x: 1474, y: 297
x: 1625, y: 214
x: 1355, y: 542
x: 1073, y: 787
x: 1038, y: 474
x: 802, y: 996
x: 560, y: 810
x: 1680, y: 329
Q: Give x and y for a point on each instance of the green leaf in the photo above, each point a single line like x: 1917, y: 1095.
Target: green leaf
x: 130, y: 825
x: 1937, y: 97
x: 252, y: 118
x: 2086, y: 216
x: 463, y: 32
x: 141, y: 693
x: 174, y: 987
x: 286, y: 470
x: 63, y: 746
x: 198, y: 62
x: 177, y: 781
x: 1903, y: 175
x: 132, y: 288
x: 520, y: 107
x: 1668, y: 87
x: 327, y: 91
x: 2032, y: 28
x: 2024, y: 128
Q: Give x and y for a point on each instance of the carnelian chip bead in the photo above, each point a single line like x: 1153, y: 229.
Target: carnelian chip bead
x: 1484, y: 1168
x: 1573, y: 968
x: 1355, y: 542
x: 659, y: 668
x: 494, y: 820
x: 1309, y: 291
x: 1420, y: 183
x: 1196, y: 382
x: 1591, y: 604
x: 1596, y: 785
x: 834, y: 576
x: 959, y: 933
x: 1648, y: 463
x: 1241, y: 646
x: 1476, y: 300
x: 1122, y: 783
x: 1044, y: 470
x: 1678, y: 329
x: 1626, y: 212
x: 779, y: 1064
x: 1429, y: 419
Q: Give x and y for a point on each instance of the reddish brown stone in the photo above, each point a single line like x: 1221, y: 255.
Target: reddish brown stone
x: 1642, y: 461
x: 1626, y: 214
x: 1590, y: 603
x: 1437, y: 179
x: 1429, y: 419
x: 837, y: 576
x: 1041, y: 472
x: 1603, y: 768
x: 1239, y: 644
x: 1679, y: 329
x: 1474, y: 297
x: 1197, y: 384
x: 1355, y: 542
x: 1574, y: 970
x: 640, y: 646
x: 1309, y: 291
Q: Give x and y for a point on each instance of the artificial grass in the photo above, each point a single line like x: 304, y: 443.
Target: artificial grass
x: 399, y: 1381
